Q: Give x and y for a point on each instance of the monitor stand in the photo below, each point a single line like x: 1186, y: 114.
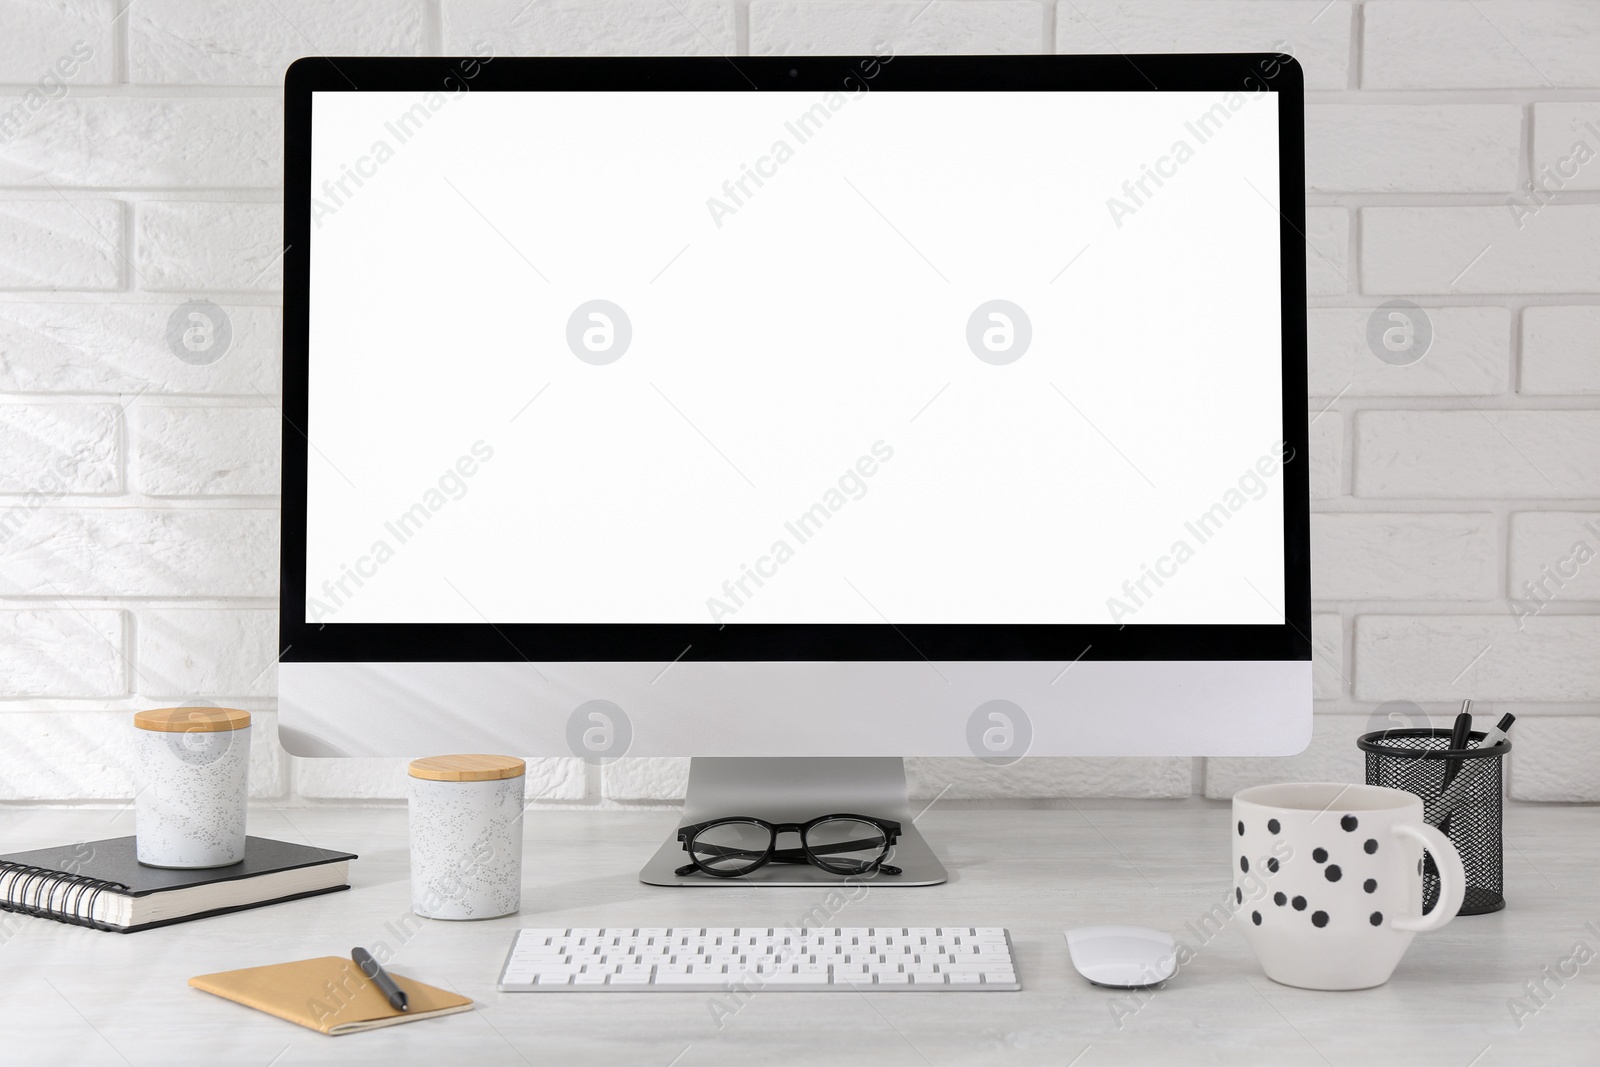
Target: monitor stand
x: 797, y: 789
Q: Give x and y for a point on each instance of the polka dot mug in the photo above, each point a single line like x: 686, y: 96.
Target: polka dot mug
x: 1328, y: 880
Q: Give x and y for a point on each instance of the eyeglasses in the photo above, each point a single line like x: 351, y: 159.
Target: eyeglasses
x: 841, y: 844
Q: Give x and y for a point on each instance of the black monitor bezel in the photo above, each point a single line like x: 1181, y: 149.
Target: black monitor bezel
x: 304, y: 641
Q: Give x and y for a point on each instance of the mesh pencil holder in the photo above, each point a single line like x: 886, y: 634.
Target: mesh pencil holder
x: 1468, y: 811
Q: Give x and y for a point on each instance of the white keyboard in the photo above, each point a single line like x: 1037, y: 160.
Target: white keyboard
x: 720, y: 959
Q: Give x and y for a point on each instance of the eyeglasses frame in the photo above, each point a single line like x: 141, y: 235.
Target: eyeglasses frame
x: 889, y: 828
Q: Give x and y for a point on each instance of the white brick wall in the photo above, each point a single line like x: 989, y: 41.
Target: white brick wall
x: 1413, y: 148
x: 1317, y: 32
x: 73, y: 551
x: 588, y: 27
x: 60, y: 448
x: 119, y: 348
x: 188, y: 246
x: 1558, y: 131
x: 150, y: 142
x: 39, y: 36
x: 844, y: 27
x: 1404, y: 556
x: 210, y: 451
x: 1480, y: 250
x: 1327, y: 251
x: 1558, y: 553
x: 250, y: 42
x: 61, y: 244
x: 1561, y: 350
x: 140, y: 160
x: 61, y: 653
x: 221, y: 653
x: 1470, y: 355
x: 1485, y: 44
x: 1476, y: 453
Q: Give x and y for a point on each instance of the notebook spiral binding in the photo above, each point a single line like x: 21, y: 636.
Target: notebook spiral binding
x: 36, y: 891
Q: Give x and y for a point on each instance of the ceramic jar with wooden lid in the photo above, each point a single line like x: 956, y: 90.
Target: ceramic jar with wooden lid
x: 191, y: 773
x: 466, y: 836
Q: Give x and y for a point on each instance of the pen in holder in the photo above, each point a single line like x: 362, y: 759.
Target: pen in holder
x: 1416, y: 760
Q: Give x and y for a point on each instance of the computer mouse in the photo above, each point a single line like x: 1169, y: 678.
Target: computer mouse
x: 1124, y: 956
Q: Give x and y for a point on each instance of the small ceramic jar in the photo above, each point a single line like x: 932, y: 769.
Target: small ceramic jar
x: 466, y: 836
x: 192, y: 781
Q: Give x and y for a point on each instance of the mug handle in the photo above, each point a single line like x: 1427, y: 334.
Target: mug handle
x: 1452, y: 878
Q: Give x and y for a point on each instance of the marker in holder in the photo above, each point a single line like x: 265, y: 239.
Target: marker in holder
x: 1416, y: 760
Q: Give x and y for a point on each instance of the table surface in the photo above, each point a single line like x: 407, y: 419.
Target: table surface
x: 75, y: 996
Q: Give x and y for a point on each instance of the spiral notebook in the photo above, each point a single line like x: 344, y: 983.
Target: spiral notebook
x: 101, y: 884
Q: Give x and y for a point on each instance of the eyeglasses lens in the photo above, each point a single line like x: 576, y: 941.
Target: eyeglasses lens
x: 846, y: 846
x: 731, y: 847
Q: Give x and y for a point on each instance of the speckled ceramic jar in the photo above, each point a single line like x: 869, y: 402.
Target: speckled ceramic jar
x: 466, y: 836
x: 191, y: 770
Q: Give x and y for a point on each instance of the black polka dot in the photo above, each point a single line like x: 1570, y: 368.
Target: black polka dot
x: 1320, y: 855
x: 1238, y: 895
x: 1319, y: 919
x: 1371, y: 846
x: 1299, y: 903
x: 1349, y: 822
x: 1279, y: 899
x: 1272, y: 866
x: 1241, y: 827
x: 1333, y: 873
x: 1376, y: 918
x: 1255, y: 917
x: 1244, y: 865
x: 1370, y: 885
x: 1272, y: 826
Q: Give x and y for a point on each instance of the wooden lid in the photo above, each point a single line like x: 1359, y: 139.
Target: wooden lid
x: 476, y: 768
x: 191, y: 720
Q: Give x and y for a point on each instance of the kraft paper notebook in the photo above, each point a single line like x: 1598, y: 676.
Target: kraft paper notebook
x: 328, y: 994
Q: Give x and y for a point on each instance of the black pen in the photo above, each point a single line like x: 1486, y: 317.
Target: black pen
x: 1460, y: 733
x: 1464, y: 781
x: 380, y: 978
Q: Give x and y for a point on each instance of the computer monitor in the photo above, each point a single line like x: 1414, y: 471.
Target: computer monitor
x: 795, y: 408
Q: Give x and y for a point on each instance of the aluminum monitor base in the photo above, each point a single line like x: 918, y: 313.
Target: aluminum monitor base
x: 796, y: 789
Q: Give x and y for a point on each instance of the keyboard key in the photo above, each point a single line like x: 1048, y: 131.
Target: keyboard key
x: 783, y: 978
x: 682, y: 979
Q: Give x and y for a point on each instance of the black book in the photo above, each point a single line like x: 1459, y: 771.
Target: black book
x: 101, y: 884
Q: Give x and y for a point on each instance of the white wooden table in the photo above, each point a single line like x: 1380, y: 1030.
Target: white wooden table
x: 73, y: 996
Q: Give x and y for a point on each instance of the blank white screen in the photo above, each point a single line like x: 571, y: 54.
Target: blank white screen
x: 786, y: 337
